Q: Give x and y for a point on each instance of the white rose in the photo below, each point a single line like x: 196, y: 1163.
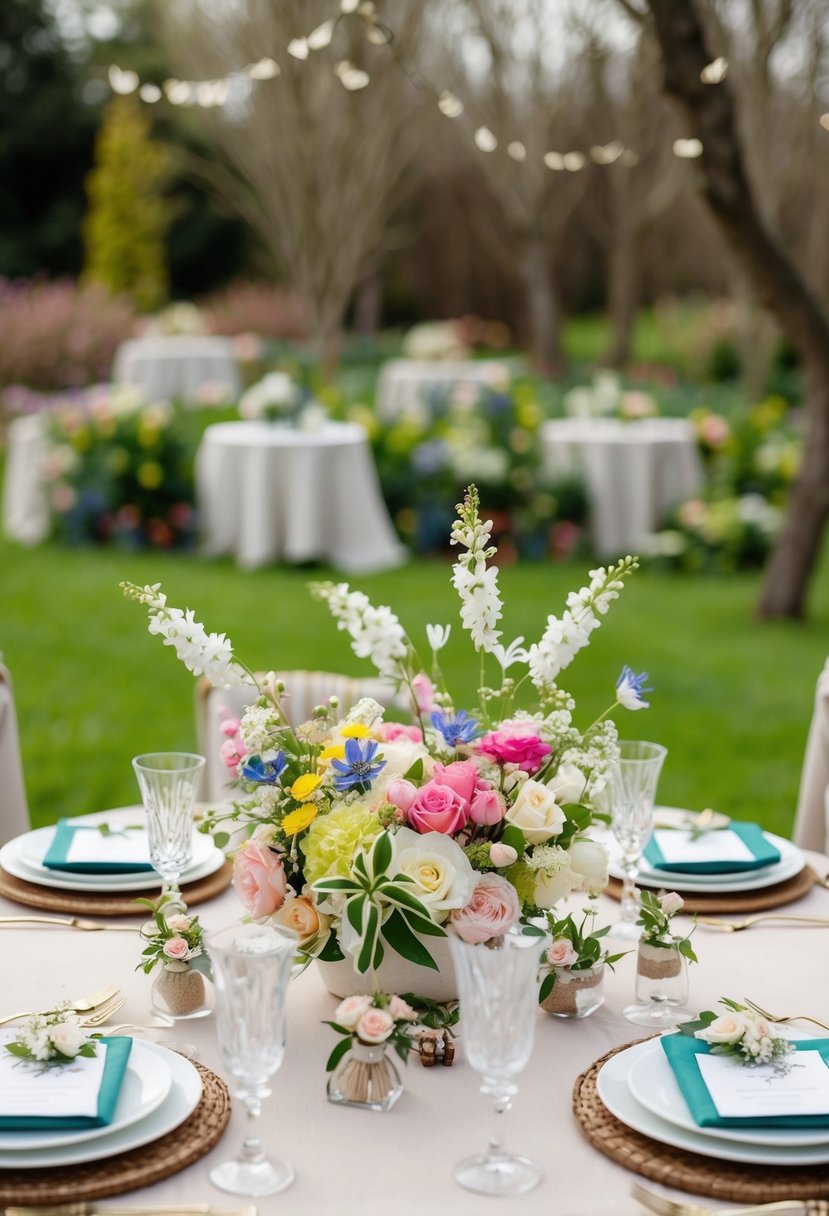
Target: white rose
x: 671, y: 903
x: 556, y: 880
x: 568, y: 785
x: 68, y: 1038
x: 349, y: 1011
x: 440, y: 870
x: 589, y: 859
x: 729, y: 1028
x: 536, y: 812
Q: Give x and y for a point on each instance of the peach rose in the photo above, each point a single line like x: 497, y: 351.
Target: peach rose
x: 301, y: 916
x: 491, y: 912
x: 374, y: 1026
x: 259, y: 879
x: 179, y: 923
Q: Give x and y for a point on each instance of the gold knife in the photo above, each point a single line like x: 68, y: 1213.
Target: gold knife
x: 73, y: 922
x: 104, y: 1209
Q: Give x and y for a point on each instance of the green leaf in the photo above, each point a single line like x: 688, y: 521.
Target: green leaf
x: 370, y: 931
x: 547, y: 985
x: 514, y: 837
x: 415, y: 771
x: 336, y: 1026
x: 331, y: 952
x: 687, y: 950
x: 395, y: 894
x: 359, y: 866
x: 221, y: 839
x: 337, y: 884
x: 354, y: 912
x: 422, y: 925
x: 338, y: 1053
x: 400, y: 937
x: 18, y: 1049
x: 381, y: 854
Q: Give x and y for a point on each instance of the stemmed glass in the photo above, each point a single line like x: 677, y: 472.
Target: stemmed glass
x: 632, y: 787
x: 168, y: 782
x: 251, y: 970
x: 498, y: 990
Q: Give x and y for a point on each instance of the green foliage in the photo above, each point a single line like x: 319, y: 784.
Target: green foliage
x: 128, y: 218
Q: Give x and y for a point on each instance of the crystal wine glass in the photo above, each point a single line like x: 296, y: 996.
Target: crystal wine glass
x: 498, y: 990
x: 168, y: 782
x: 251, y: 970
x: 632, y: 787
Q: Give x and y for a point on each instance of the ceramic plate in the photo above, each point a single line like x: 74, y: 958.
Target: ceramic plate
x: 181, y: 1101
x: 655, y: 1087
x: 146, y: 1084
x: 615, y: 1093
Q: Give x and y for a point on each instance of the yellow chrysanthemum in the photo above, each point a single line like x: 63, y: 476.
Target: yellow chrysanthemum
x: 355, y: 730
x: 334, y: 751
x: 333, y: 839
x: 300, y: 819
x: 304, y: 787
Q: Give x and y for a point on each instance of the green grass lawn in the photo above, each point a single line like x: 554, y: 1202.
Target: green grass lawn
x: 731, y: 700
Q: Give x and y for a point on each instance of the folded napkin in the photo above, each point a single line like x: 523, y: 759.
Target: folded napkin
x: 84, y: 849
x: 85, y: 1092
x: 684, y: 1054
x: 732, y: 850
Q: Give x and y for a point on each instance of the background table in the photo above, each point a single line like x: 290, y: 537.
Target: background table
x: 25, y: 505
x: 634, y: 472
x: 177, y: 366
x: 403, y: 384
x: 267, y: 492
x: 351, y: 1161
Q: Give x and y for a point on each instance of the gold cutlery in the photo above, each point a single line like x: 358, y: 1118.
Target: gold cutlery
x: 81, y: 1004
x: 74, y: 922
x: 105, y: 1209
x: 792, y: 1017
x: 105, y: 1012
x: 736, y: 926
x: 669, y: 1207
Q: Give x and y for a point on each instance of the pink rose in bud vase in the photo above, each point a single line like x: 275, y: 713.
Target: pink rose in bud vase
x: 671, y: 903
x: 176, y: 948
x: 375, y: 1026
x: 401, y: 1010
x: 561, y: 953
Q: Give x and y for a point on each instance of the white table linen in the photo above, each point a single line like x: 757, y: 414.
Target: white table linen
x: 358, y: 1162
x: 14, y: 812
x: 405, y: 384
x: 25, y: 505
x: 812, y: 821
x: 268, y: 492
x: 634, y: 472
x: 177, y: 366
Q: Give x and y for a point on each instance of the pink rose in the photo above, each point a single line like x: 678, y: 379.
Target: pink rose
x: 350, y: 1010
x: 401, y: 1010
x: 561, y: 953
x: 502, y: 854
x: 259, y: 879
x: 375, y: 1026
x: 230, y: 727
x: 437, y: 808
x: 460, y: 777
x: 491, y: 912
x: 487, y: 807
x: 424, y: 691
x: 176, y: 947
x: 401, y: 793
x: 390, y: 732
x: 515, y: 744
x: 232, y: 751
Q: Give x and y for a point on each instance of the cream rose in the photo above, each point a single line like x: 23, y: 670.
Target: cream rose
x: 561, y: 953
x: 671, y: 903
x: 440, y: 870
x: 589, y: 859
x: 536, y: 812
x: 555, y: 879
x: 179, y: 923
x: 68, y: 1038
x: 728, y: 1028
x: 374, y: 1026
x: 302, y: 917
x: 349, y: 1011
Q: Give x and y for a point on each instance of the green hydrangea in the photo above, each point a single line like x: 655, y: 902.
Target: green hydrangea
x: 332, y: 840
x: 478, y: 854
x: 524, y: 880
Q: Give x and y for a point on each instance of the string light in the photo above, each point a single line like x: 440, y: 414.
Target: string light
x: 687, y: 149
x: 715, y: 71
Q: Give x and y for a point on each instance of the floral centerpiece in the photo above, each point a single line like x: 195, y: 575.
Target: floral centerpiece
x: 274, y: 398
x: 372, y: 838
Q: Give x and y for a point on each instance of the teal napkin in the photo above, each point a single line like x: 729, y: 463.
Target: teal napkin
x: 115, y: 1065
x: 682, y: 1052
x: 765, y: 854
x: 56, y: 854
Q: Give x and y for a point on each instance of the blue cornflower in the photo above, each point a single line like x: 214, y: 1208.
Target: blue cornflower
x: 461, y: 729
x: 629, y: 689
x: 360, y: 768
x: 265, y: 769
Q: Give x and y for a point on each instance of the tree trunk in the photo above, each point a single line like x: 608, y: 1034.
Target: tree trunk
x: 776, y: 282
x: 543, y: 309
x: 368, y: 303
x: 623, y: 285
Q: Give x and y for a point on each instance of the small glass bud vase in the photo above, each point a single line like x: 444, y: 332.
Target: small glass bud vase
x: 576, y: 994
x: 367, y: 1077
x: 179, y: 993
x: 661, y: 987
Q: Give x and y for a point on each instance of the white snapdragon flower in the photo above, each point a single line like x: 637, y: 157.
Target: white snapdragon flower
x: 476, y: 584
x: 508, y: 656
x: 438, y: 636
x: 376, y: 633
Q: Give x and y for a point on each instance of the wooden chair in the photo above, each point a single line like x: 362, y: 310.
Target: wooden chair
x: 14, y: 811
x: 812, y: 819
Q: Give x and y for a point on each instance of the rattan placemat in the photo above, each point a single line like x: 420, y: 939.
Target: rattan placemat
x: 753, y: 1182
x: 778, y: 896
x: 91, y: 903
x: 134, y: 1169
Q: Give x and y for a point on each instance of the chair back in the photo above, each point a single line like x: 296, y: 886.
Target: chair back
x: 811, y: 828
x: 304, y: 689
x: 14, y: 811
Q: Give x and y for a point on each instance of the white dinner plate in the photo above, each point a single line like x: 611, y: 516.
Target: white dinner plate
x: 146, y: 1083
x: 615, y: 1093
x: 181, y: 1101
x: 653, y: 1084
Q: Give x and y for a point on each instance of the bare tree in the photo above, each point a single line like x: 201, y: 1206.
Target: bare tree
x: 775, y: 279
x: 313, y: 168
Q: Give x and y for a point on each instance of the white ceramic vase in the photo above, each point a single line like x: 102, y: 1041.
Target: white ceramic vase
x: 395, y: 975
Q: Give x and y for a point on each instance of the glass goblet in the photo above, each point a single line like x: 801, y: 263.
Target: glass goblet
x: 168, y: 782
x: 251, y: 970
x: 498, y: 990
x: 632, y: 786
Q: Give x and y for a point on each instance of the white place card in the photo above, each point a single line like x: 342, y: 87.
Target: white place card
x: 90, y: 846
x: 740, y: 1092
x: 28, y: 1090
x: 681, y: 846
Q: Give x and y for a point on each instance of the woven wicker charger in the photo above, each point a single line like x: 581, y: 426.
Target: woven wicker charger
x: 676, y: 1167
x: 90, y: 903
x: 778, y: 896
x: 131, y: 1170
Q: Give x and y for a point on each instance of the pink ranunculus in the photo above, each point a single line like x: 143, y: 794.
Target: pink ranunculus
x: 461, y: 776
x: 502, y: 854
x: 374, y: 1026
x: 424, y: 691
x: 259, y: 879
x: 230, y: 727
x: 390, y: 732
x: 514, y: 743
x: 491, y: 912
x: 232, y: 751
x: 401, y: 793
x: 437, y: 808
x: 561, y: 953
x: 176, y: 948
x: 487, y: 807
x: 401, y: 1010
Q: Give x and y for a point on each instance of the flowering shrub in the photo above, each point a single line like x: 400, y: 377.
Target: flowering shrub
x: 256, y: 308
x: 59, y: 335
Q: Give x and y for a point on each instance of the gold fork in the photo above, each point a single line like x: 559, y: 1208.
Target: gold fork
x: 735, y: 926
x: 73, y: 922
x: 792, y: 1017
x: 99, y: 1016
x: 81, y: 1004
x: 785, y: 1207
